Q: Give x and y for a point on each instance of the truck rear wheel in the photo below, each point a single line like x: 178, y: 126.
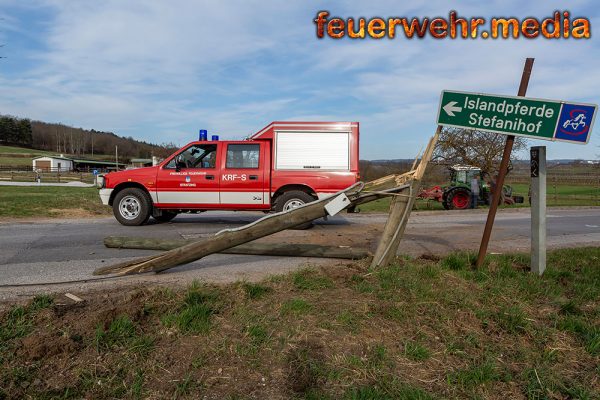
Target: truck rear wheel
x: 294, y: 199
x: 132, y: 207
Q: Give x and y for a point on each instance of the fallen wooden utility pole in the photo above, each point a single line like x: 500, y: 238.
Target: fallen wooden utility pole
x: 265, y: 249
x: 233, y: 237
x: 400, y: 209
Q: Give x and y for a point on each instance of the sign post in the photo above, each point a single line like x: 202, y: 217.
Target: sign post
x: 538, y: 209
x: 489, y: 223
x: 553, y: 120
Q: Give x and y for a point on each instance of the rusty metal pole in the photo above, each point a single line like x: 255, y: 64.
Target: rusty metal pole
x: 487, y: 232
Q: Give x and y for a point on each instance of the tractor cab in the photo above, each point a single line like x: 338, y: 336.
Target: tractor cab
x: 463, y: 174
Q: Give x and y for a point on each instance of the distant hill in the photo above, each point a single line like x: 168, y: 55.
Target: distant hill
x: 63, y: 139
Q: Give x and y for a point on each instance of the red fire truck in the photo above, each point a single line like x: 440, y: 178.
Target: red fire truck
x: 282, y: 166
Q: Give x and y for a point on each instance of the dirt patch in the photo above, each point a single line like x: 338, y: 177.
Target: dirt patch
x: 76, y: 213
x: 34, y: 348
x: 71, y: 213
x: 304, y: 360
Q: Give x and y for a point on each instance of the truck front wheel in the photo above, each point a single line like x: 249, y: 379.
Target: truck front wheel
x: 132, y: 207
x: 293, y: 199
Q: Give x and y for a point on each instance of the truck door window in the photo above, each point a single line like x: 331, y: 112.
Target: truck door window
x: 243, y: 155
x: 195, y: 156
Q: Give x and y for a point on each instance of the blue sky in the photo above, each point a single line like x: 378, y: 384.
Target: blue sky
x: 159, y: 71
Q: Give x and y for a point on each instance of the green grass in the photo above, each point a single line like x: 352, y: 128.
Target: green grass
x: 15, y: 161
x: 309, y: 279
x: 184, y: 387
x: 564, y: 195
x: 119, y: 333
x: 416, y: 351
x: 255, y: 290
x: 561, y: 195
x: 295, y: 306
x: 48, y: 201
x: 22, y: 150
x: 393, y: 391
x: 475, y: 375
x: 17, y: 322
x: 194, y: 314
x: 512, y: 319
x: 417, y: 329
x: 123, y: 333
x: 13, y: 156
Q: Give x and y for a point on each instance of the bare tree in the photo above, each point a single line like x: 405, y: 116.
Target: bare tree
x: 478, y: 148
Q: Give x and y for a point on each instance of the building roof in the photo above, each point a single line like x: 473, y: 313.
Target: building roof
x: 54, y: 157
x: 97, y: 162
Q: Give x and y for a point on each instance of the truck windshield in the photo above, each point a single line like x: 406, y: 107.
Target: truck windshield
x: 195, y: 156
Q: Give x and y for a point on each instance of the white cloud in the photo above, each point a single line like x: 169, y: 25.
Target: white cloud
x: 159, y: 70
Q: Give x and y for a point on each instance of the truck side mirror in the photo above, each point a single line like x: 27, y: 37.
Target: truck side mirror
x: 178, y: 161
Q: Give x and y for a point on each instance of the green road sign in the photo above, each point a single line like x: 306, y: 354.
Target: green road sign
x: 519, y: 116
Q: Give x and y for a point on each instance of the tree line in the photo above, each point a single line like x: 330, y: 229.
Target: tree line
x: 64, y: 139
x: 16, y: 131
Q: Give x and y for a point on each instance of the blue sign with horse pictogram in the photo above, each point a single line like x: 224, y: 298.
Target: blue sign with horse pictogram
x: 575, y: 123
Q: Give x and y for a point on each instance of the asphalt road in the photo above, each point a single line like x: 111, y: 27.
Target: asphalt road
x: 54, y: 251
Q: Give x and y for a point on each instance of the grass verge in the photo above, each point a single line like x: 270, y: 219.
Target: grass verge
x: 559, y: 195
x: 419, y: 329
x: 49, y: 201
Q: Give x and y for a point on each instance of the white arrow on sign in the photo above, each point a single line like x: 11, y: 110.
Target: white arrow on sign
x: 450, y: 108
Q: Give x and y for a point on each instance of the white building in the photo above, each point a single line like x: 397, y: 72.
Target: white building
x: 53, y: 164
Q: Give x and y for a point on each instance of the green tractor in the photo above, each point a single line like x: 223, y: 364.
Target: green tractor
x: 457, y: 195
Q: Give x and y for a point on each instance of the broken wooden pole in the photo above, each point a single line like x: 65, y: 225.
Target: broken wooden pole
x: 400, y: 209
x: 234, y: 237
x: 393, y: 231
x: 265, y: 249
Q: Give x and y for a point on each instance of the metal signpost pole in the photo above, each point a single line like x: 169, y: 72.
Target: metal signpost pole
x: 502, y: 172
x: 538, y: 209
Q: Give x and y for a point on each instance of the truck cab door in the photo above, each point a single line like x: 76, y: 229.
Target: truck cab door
x: 190, y: 179
x: 243, y: 176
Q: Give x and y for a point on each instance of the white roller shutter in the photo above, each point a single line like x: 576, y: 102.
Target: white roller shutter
x: 312, y: 150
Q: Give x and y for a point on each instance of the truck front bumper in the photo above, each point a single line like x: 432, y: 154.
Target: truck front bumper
x: 105, y: 195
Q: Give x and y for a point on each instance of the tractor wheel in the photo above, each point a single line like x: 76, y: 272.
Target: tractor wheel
x: 459, y: 199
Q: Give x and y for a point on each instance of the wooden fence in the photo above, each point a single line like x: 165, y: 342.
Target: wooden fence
x: 46, y: 177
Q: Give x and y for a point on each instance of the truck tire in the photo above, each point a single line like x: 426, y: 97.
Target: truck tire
x: 459, y: 199
x: 165, y: 216
x: 292, y: 199
x: 132, y: 207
